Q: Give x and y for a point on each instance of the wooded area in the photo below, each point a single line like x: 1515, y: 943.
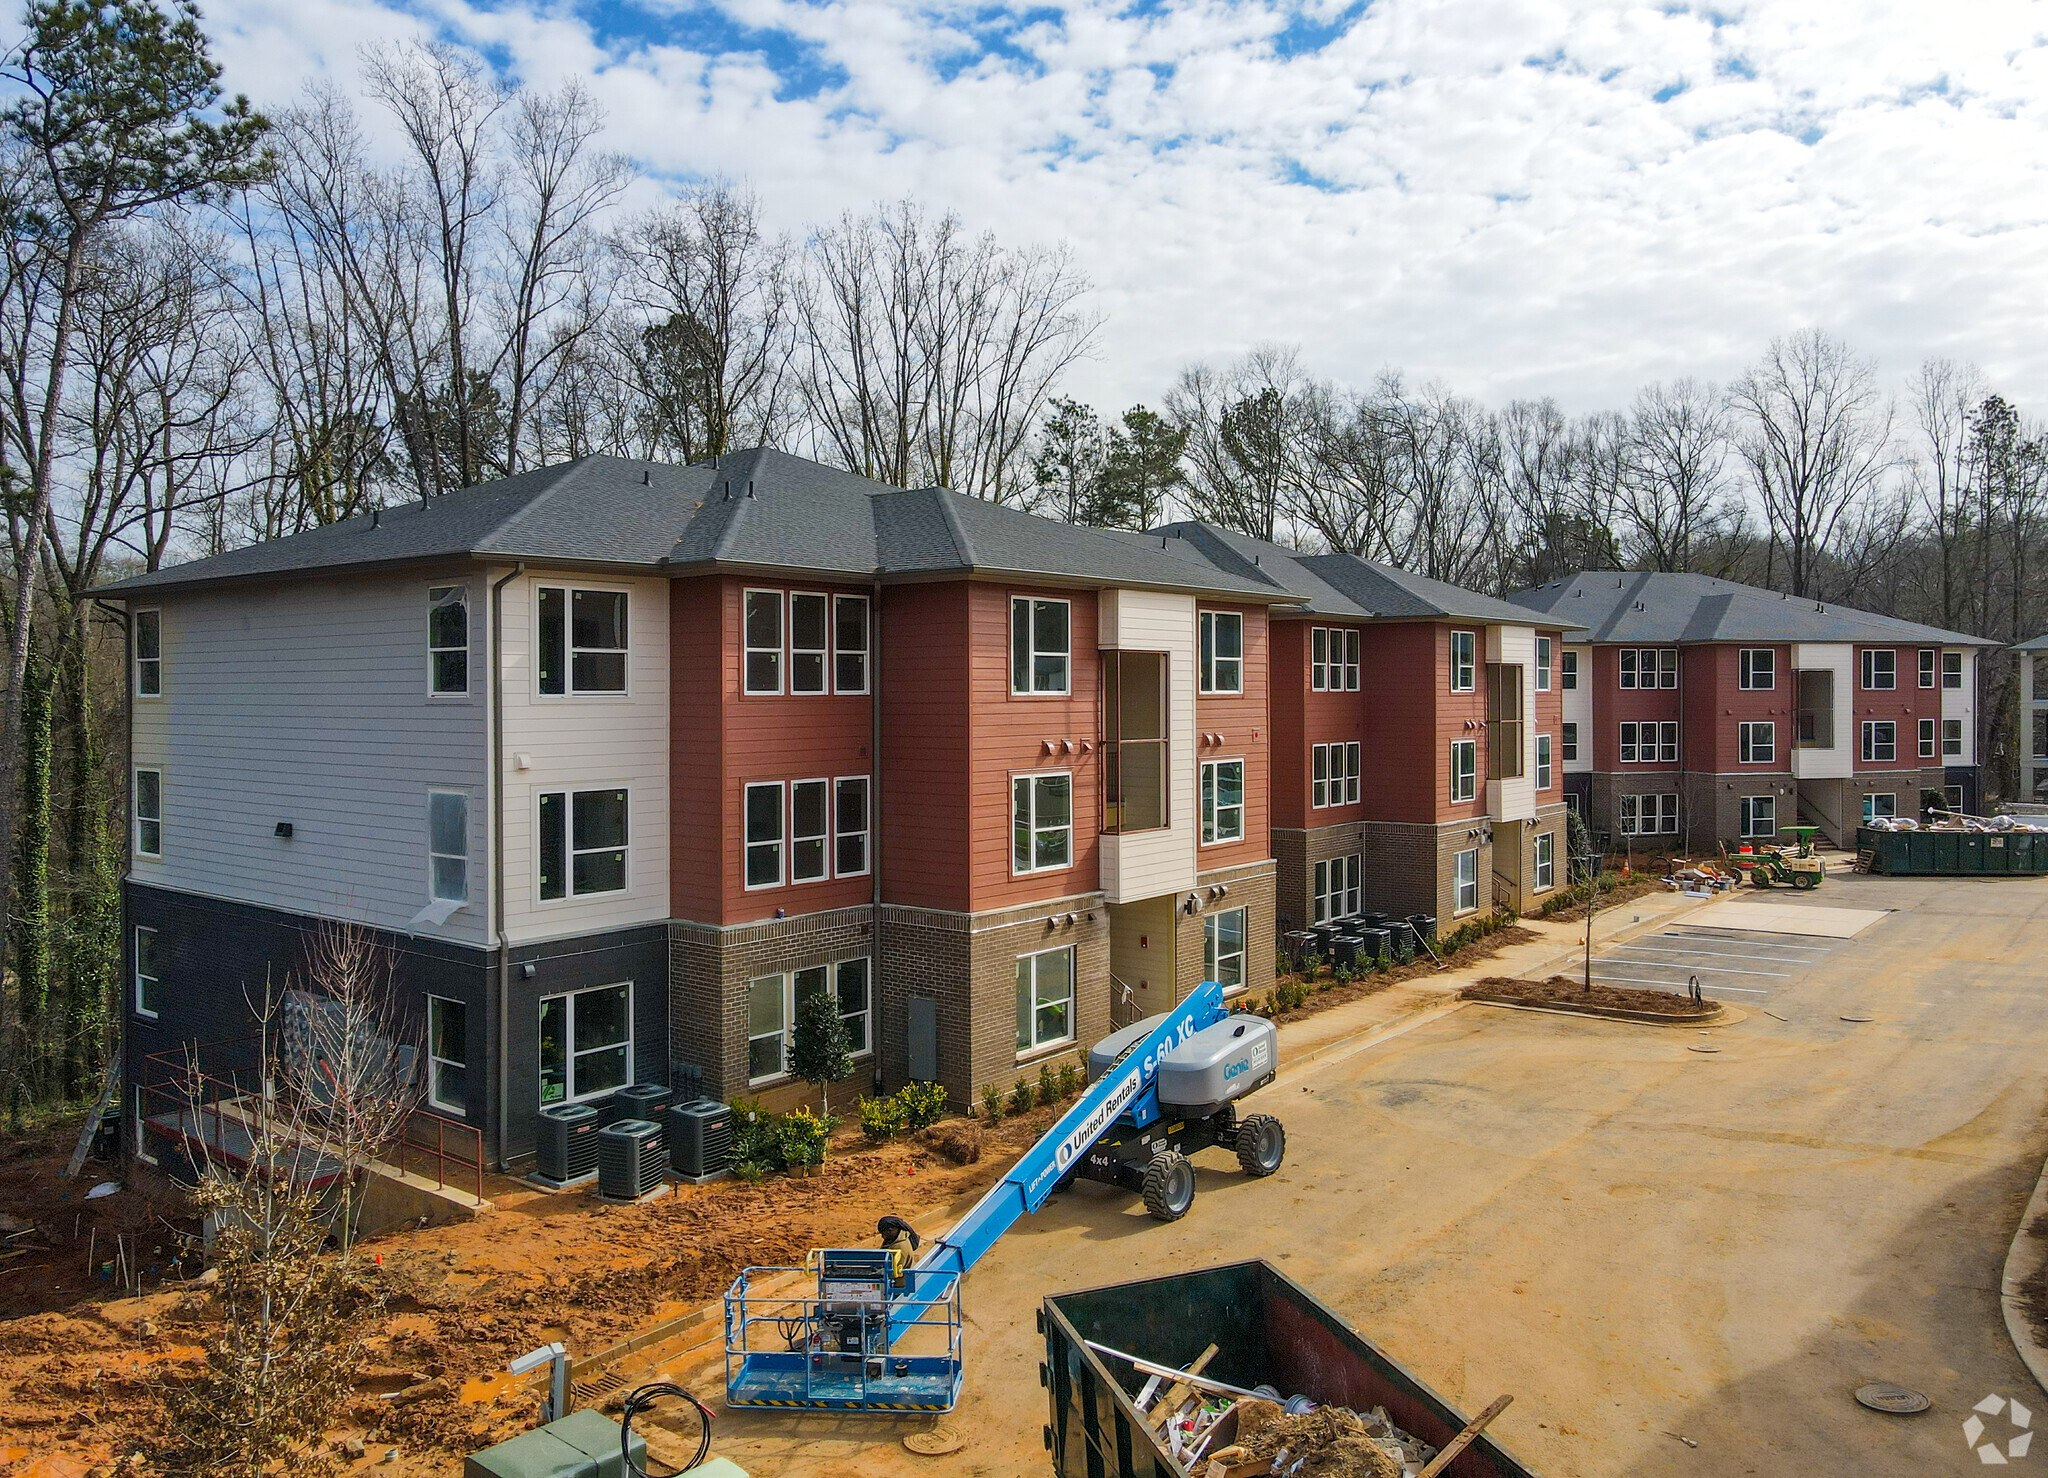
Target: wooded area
x: 219, y: 326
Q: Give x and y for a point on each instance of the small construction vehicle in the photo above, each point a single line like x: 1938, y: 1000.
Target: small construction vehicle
x: 1795, y: 866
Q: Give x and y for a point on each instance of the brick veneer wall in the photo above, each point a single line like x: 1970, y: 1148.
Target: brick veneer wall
x: 1251, y: 889
x: 1710, y: 806
x: 1411, y: 867
x: 1514, y: 853
x: 1843, y: 798
x: 1296, y: 853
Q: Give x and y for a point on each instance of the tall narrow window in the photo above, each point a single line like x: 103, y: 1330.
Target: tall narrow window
x: 551, y: 644
x: 1352, y: 769
x: 767, y: 1027
x: 149, y: 654
x: 1464, y: 769
x: 1223, y: 949
x: 1542, y: 664
x: 582, y: 640
x: 1319, y: 658
x: 1758, y: 668
x: 1345, y: 643
x: 1951, y: 669
x: 1951, y: 737
x: 1042, y: 822
x: 1222, y: 800
x: 1668, y: 742
x: 1759, y: 815
x: 1543, y: 762
x: 1464, y: 661
x: 850, y: 826
x: 1667, y: 668
x: 1568, y: 671
x: 1319, y: 784
x: 1570, y: 742
x: 1222, y: 652
x: 1880, y: 740
x: 1045, y: 999
x: 1927, y: 738
x: 1504, y: 721
x: 448, y: 846
x: 1628, y: 742
x: 809, y: 830
x: 148, y: 975
x: 149, y: 813
x: 582, y: 843
x: 1466, y: 880
x: 447, y: 1055
x: 1627, y: 678
x: 808, y: 642
x: 1040, y: 645
x: 764, y: 834
x: 1928, y: 658
x: 850, y: 643
x: 850, y: 981
x: 1546, y: 861
x: 448, y: 639
x: 762, y: 623
x: 1757, y: 744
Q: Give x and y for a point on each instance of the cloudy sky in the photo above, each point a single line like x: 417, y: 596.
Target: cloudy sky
x: 1560, y: 197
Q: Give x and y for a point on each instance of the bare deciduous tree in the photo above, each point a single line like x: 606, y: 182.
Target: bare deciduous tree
x: 1671, y: 486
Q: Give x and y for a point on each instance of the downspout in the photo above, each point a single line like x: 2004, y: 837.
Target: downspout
x: 875, y: 797
x: 497, y: 786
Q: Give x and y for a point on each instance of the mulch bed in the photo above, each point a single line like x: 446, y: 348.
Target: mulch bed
x: 1631, y: 887
x: 1326, y: 993
x: 1565, y: 990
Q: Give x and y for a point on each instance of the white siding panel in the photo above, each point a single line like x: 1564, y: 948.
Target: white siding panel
x: 1515, y: 799
x: 1148, y: 863
x: 1578, y: 709
x: 1838, y: 762
x: 308, y: 703
x: 1961, y: 703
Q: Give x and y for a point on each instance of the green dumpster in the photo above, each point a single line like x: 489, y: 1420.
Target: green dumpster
x: 1947, y: 854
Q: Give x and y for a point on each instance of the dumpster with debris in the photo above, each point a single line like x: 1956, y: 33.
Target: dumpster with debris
x: 1235, y: 1371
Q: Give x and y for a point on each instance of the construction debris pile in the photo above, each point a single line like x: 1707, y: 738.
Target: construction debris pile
x: 1956, y: 822
x: 1322, y: 1442
x: 1699, y: 880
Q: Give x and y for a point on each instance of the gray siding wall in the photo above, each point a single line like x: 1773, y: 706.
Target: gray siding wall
x: 307, y: 702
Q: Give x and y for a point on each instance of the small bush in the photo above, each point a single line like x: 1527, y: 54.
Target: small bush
x: 959, y: 1142
x: 754, y: 1137
x: 1342, y: 975
x: 881, y: 1119
x: 802, y: 1137
x: 991, y: 1103
x: 753, y: 1172
x: 1048, y: 1084
x: 1071, y: 1079
x: 1310, y: 963
x: 923, y: 1104
x: 1023, y: 1097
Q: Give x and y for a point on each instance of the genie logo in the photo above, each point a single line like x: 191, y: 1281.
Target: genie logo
x: 1138, y: 1075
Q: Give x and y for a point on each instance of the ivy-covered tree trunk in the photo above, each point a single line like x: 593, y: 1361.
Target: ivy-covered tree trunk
x: 29, y: 926
x: 91, y: 939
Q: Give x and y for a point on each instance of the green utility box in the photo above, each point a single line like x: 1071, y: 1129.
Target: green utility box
x: 583, y: 1444
x: 1954, y: 853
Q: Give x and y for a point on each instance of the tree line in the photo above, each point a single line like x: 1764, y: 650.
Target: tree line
x: 220, y: 325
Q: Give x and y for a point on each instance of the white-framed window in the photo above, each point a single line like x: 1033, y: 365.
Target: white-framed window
x: 810, y: 641
x: 1222, y: 801
x: 1951, y: 737
x: 1337, y: 888
x: 1042, y: 822
x: 1041, y: 645
x: 1928, y: 658
x: 1927, y: 742
x: 1880, y: 669
x: 1045, y: 999
x: 1759, y: 815
x: 1951, y: 669
x: 1880, y: 739
x: 1464, y: 661
x: 810, y: 830
x: 448, y: 640
x: 1647, y: 815
x: 1542, y: 664
x: 582, y: 640
x: 149, y: 978
x: 1569, y: 741
x: 1543, y: 765
x: 762, y: 806
x: 149, y: 813
x: 149, y: 654
x: 850, y: 643
x: 1546, y: 861
x: 1223, y: 949
x: 850, y: 825
x: 448, y: 846
x: 1649, y: 667
x: 586, y: 1043
x: 1568, y: 671
x: 1952, y: 797
x: 582, y: 842
x: 1222, y: 652
x: 772, y: 1002
x: 1465, y: 873
x: 1881, y: 804
x: 1759, y: 669
x: 1647, y: 743
x: 767, y: 1028
x: 1756, y: 743
x: 1464, y: 769
x: 141, y: 1120
x: 1333, y: 659
x: 447, y: 1055
x: 1334, y: 774
x: 761, y: 638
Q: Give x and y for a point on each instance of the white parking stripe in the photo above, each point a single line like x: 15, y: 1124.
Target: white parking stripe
x: 1702, y: 969
x: 1710, y: 954
x: 1748, y: 990
x: 1764, y: 942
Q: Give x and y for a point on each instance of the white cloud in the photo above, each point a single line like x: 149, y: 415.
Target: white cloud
x: 1487, y: 191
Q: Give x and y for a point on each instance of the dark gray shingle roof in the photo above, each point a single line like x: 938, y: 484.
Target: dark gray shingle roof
x: 1643, y: 606
x: 2038, y: 644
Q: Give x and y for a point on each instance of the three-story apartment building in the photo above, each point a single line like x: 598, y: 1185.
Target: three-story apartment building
x: 2032, y: 740
x: 1702, y: 711
x: 620, y: 761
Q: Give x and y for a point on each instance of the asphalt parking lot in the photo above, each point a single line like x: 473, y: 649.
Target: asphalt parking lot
x: 1730, y: 964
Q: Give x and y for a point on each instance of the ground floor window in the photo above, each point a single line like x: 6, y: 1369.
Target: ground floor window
x: 1337, y: 888
x: 1647, y: 815
x: 1467, y: 875
x: 447, y: 1055
x: 1759, y: 815
x: 1546, y: 861
x: 767, y: 1028
x: 1045, y: 999
x: 848, y: 981
x: 1880, y: 805
x: 1953, y: 795
x: 771, y: 1012
x: 142, y: 1131
x: 1223, y: 949
x: 148, y: 979
x: 586, y: 1043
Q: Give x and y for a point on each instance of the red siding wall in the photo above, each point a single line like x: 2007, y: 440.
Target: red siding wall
x: 1287, y: 696
x: 1614, y: 705
x: 1549, y: 718
x: 1906, y: 705
x: 1244, y: 724
x: 698, y: 823
x: 1411, y: 717
x: 1716, y: 705
x: 925, y: 743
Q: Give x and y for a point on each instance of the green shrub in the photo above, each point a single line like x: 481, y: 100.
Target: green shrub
x: 1023, y: 1097
x: 753, y: 1172
x: 1071, y: 1079
x: 991, y: 1102
x: 881, y: 1119
x: 802, y: 1137
x: 1310, y: 963
x: 1048, y: 1084
x: 924, y: 1104
x: 754, y: 1137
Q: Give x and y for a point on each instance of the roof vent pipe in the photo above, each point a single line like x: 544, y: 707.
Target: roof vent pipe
x: 376, y: 517
x: 750, y: 487
x: 728, y: 491
x: 646, y: 477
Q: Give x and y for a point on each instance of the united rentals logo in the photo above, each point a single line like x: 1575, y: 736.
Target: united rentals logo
x: 1987, y: 1449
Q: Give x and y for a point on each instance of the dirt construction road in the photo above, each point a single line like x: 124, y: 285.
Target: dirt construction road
x: 1634, y: 1238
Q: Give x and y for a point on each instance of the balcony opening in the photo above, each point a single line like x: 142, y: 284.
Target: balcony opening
x: 1134, y: 789
x: 1817, y: 708
x: 1503, y: 720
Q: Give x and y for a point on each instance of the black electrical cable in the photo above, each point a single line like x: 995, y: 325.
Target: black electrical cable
x: 639, y: 1400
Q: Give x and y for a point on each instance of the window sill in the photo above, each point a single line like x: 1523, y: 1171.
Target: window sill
x: 783, y: 1080
x: 1045, y: 1049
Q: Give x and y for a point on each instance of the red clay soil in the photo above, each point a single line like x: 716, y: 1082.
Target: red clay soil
x: 75, y: 1362
x: 1566, y: 990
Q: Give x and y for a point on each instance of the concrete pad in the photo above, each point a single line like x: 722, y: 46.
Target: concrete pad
x: 1791, y: 918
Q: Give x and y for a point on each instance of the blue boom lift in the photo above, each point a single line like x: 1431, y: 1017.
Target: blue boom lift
x: 866, y: 1329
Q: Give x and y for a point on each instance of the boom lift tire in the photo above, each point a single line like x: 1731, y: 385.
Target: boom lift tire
x: 1261, y: 1144
x: 1169, y: 1186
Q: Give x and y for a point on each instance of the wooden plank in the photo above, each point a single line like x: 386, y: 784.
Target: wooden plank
x: 92, y: 1120
x: 1178, y: 1392
x: 1465, y: 1438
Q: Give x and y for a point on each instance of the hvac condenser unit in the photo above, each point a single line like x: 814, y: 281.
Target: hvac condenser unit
x: 638, y: 1101
x: 631, y: 1159
x: 566, y: 1151
x: 699, y: 1139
